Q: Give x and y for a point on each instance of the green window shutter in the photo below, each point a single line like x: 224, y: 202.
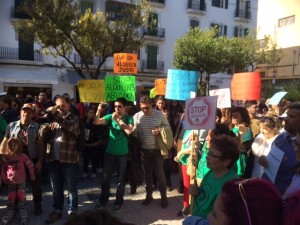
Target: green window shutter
x: 152, y: 57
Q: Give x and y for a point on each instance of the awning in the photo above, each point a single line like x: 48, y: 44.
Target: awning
x: 28, y: 74
x: 74, y: 77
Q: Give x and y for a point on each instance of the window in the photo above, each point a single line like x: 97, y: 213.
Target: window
x: 87, y: 5
x: 220, y: 3
x: 222, y: 28
x: 283, y: 22
x: 194, y: 23
x: 152, y: 52
x: 241, y: 31
x: 115, y: 10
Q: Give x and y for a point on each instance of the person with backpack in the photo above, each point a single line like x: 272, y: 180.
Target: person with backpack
x: 121, y: 125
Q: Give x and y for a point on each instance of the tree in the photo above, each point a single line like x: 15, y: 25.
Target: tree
x: 61, y: 27
x: 202, y: 51
x: 207, y: 52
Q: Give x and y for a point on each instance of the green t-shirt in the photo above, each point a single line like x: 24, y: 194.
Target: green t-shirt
x: 209, y: 190
x: 202, y: 168
x: 117, y: 140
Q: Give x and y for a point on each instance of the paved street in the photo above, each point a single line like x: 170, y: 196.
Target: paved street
x: 132, y: 211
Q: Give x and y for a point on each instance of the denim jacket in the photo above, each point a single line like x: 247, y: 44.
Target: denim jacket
x: 32, y: 132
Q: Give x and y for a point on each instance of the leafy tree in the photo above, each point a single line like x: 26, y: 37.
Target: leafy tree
x: 62, y: 28
x: 207, y: 52
x: 202, y: 51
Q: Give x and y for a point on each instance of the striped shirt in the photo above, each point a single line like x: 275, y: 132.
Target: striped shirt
x: 143, y: 125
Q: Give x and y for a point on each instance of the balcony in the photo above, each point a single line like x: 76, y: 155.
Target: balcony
x: 148, y: 66
x: 93, y: 62
x: 196, y: 7
x: 12, y: 55
x: 156, y: 34
x: 158, y: 3
x: 14, y: 14
x: 242, y: 15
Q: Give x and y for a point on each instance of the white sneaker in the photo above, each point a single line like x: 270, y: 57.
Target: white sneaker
x: 84, y: 175
x: 93, y: 176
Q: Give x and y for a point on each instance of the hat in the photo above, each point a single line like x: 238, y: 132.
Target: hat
x: 27, y: 106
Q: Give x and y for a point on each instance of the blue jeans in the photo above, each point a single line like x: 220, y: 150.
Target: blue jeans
x: 60, y: 174
x: 108, y: 168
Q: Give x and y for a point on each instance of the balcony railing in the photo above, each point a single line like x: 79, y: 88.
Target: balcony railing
x: 158, y: 1
x: 196, y: 5
x: 157, y: 32
x: 13, y: 54
x: 94, y: 61
x: 242, y: 13
x: 146, y: 65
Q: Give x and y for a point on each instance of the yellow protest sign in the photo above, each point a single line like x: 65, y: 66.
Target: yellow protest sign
x: 125, y: 63
x: 160, y: 86
x: 91, y: 91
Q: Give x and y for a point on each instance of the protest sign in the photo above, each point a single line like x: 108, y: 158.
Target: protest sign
x: 224, y: 99
x: 120, y: 87
x: 125, y: 63
x: 160, y: 86
x: 180, y: 83
x: 200, y: 113
x: 275, y: 99
x: 246, y: 86
x: 91, y: 91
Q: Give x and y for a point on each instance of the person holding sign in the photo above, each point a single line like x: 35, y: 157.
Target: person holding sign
x: 280, y: 170
x: 147, y: 125
x: 221, y: 157
x: 116, y: 152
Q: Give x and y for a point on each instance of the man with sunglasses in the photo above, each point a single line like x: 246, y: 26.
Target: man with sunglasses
x: 116, y: 152
x: 147, y: 123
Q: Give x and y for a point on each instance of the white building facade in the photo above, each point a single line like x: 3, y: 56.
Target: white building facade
x: 23, y: 67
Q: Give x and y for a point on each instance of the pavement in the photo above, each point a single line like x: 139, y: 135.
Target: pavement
x: 89, y: 190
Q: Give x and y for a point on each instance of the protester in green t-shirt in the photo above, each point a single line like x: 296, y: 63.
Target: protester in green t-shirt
x: 221, y: 156
x: 121, y: 126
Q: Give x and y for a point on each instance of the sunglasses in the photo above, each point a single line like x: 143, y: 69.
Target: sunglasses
x: 145, y: 108
x: 214, y: 156
x: 118, y: 106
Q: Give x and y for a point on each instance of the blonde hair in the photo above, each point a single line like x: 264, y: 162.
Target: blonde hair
x: 18, y: 142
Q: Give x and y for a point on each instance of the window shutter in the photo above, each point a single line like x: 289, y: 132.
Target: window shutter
x: 225, y: 30
x: 226, y: 4
x: 236, y: 31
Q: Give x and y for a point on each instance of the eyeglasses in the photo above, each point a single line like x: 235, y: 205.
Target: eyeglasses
x: 243, y: 196
x: 118, y: 106
x: 145, y: 108
x: 214, y: 156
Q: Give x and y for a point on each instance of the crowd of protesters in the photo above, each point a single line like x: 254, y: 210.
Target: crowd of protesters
x: 147, y: 142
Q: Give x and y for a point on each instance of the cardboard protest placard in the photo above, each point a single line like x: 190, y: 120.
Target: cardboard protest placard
x: 200, y: 113
x: 91, y: 91
x: 275, y: 99
x: 120, y: 87
x: 246, y: 86
x: 180, y: 83
x: 224, y: 99
x: 125, y: 63
x: 160, y: 86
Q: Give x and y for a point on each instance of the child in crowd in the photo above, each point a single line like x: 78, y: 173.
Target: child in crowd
x: 13, y: 172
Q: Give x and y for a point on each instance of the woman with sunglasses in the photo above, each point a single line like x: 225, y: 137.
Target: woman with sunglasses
x: 222, y: 155
x: 116, y: 151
